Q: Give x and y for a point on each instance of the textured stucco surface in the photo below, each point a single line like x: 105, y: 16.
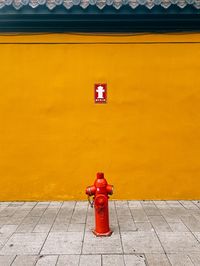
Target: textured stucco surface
x: 53, y: 138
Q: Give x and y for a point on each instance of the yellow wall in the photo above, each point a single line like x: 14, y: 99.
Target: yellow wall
x: 53, y: 138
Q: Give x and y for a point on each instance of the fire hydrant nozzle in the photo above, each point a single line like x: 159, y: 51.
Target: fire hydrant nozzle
x: 100, y: 190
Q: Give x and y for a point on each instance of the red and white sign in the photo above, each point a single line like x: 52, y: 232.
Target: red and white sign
x: 100, y: 93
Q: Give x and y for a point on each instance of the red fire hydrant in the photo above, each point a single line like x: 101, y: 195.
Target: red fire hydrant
x: 100, y: 190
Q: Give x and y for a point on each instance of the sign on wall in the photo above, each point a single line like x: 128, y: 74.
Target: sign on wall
x: 100, y: 93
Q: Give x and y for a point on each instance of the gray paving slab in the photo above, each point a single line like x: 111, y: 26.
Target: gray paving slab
x: 8, y: 211
x: 102, y: 245
x: 80, y: 212
x: 192, y: 223
x: 4, y: 203
x: 28, y: 224
x: 170, y: 215
x: 178, y: 227
x: 183, y: 260
x: 6, y: 260
x: 23, y: 244
x: 144, y: 226
x: 60, y: 232
x: 159, y: 224
x: 157, y: 259
x: 60, y: 227
x: 159, y: 203
x: 189, y: 204
x: 197, y: 235
x: 139, y: 215
x: 147, y: 202
x: 90, y: 260
x: 134, y: 204
x: 42, y: 228
x: 6, y: 232
x: 151, y: 210
x: 55, y: 204
x: 141, y: 242
x: 63, y: 243
x: 123, y: 260
x: 76, y: 227
x: 134, y: 260
x: 195, y: 258
x: 179, y: 241
x: 68, y: 260
x: 25, y: 260
x: 49, y: 260
x: 110, y: 260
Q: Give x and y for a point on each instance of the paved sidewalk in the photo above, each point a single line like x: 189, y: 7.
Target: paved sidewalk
x: 59, y: 233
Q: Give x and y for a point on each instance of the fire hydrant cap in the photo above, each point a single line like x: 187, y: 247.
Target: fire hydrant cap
x: 100, y: 175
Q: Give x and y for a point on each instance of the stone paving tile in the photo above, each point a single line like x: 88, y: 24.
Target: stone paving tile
x: 170, y: 215
x: 140, y: 224
x: 157, y: 259
x: 80, y: 212
x: 144, y: 226
x: 63, y: 243
x: 49, y: 260
x: 59, y: 227
x: 76, y: 228
x: 6, y: 260
x: 29, y: 204
x: 103, y: 245
x: 39, y: 209
x: 179, y: 242
x: 3, y: 221
x: 110, y: 260
x: 23, y: 244
x: 122, y: 209
x: 4, y: 203
x: 161, y: 204
x: 147, y: 202
x: 174, y: 203
x: 159, y: 224
x: 141, y: 242
x: 42, y: 228
x: 5, y: 233
x: 189, y: 205
x: 90, y: 260
x: 127, y: 225
x: 28, y: 224
x: 123, y: 260
x: 192, y: 223
x: 16, y: 203
x: 176, y: 259
x: 151, y: 210
x: 55, y: 204
x: 26, y: 260
x: 8, y: 211
x: 197, y: 235
x: 49, y: 215
x: 178, y: 227
x: 68, y: 260
x: 197, y: 203
x: 15, y: 220
x: 134, y: 260
x: 139, y: 215
x: 134, y: 204
x: 195, y: 258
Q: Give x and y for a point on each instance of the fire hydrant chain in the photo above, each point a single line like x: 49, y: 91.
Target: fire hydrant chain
x: 90, y: 202
x: 100, y: 190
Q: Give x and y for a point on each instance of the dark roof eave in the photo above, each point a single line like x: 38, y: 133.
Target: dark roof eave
x: 92, y: 19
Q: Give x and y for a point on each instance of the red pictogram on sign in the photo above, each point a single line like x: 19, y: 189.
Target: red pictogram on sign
x: 100, y: 93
